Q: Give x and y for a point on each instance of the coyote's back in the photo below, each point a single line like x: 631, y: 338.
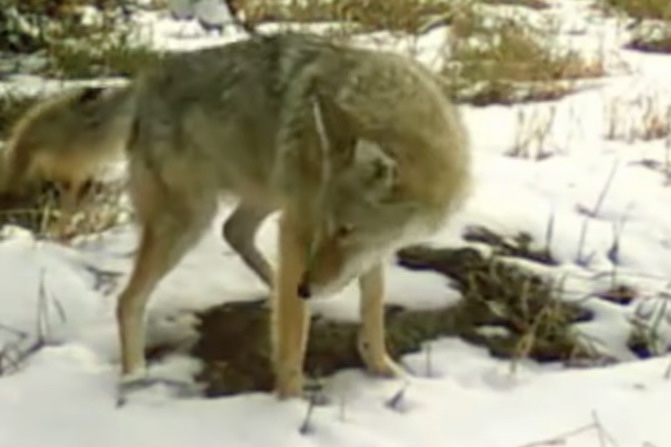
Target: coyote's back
x: 360, y: 150
x: 245, y: 119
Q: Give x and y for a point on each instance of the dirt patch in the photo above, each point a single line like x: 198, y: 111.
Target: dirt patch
x: 234, y: 341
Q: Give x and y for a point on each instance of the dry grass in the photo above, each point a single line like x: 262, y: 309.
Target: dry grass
x: 103, y: 47
x: 100, y: 55
x: 491, y: 59
x: 650, y: 316
x: 411, y: 16
x: 651, y: 37
x: 506, y: 59
x: 520, y: 245
x: 533, y: 132
x: 365, y: 15
x: 651, y: 31
x: 100, y: 208
x: 534, y: 4
x: 506, y: 307
x: 642, y: 9
x: 646, y: 44
x: 76, y: 42
x: 644, y: 117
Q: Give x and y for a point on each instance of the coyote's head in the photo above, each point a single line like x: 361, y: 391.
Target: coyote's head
x: 365, y: 217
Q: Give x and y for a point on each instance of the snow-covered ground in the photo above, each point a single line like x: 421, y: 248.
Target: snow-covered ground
x: 595, y: 190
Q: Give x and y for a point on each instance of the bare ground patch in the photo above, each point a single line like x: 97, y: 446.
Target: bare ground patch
x: 511, y: 311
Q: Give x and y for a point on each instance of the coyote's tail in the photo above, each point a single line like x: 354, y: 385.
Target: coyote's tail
x: 67, y: 137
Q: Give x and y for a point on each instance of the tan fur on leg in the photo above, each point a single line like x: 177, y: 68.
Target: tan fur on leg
x: 132, y: 303
x: 172, y: 221
x: 291, y: 319
x: 371, y: 341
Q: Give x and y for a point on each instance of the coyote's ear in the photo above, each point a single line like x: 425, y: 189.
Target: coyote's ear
x: 88, y: 94
x: 376, y: 171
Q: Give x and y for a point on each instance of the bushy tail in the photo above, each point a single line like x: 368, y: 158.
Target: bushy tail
x: 67, y: 136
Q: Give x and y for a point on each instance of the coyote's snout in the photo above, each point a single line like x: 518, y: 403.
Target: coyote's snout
x: 366, y: 219
x: 360, y: 150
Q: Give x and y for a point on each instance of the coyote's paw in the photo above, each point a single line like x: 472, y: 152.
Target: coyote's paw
x: 377, y: 361
x: 289, y: 388
x: 128, y: 386
x: 289, y: 382
x: 383, y: 366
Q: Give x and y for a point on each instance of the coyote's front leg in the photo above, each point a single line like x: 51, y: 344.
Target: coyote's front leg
x: 290, y: 319
x: 371, y: 343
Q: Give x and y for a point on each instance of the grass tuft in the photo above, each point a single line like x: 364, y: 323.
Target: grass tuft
x: 654, y: 37
x: 642, y: 9
x: 514, y: 312
x: 76, y: 39
x: 504, y: 60
x: 533, y: 4
x: 100, y: 208
x: 651, y: 29
x: 369, y: 15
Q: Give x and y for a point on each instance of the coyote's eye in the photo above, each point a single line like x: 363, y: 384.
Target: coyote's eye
x: 344, y: 230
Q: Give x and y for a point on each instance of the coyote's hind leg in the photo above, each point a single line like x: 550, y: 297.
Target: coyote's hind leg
x: 172, y: 219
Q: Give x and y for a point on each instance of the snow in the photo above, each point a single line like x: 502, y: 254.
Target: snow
x: 64, y: 398
x: 591, y: 186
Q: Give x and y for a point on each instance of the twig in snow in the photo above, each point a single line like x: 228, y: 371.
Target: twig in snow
x: 667, y: 373
x: 533, y: 131
x: 561, y: 438
x: 43, y: 320
x: 604, y: 191
x: 342, y: 407
x: 429, y: 363
x: 590, y: 213
x: 605, y: 439
x: 549, y: 233
x: 17, y: 332
x: 395, y: 401
x: 614, y: 250
x: 14, y: 354
x: 104, y: 280
x: 314, y: 391
x: 581, y: 259
x: 10, y: 351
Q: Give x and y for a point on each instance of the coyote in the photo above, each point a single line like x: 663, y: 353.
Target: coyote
x: 358, y: 149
